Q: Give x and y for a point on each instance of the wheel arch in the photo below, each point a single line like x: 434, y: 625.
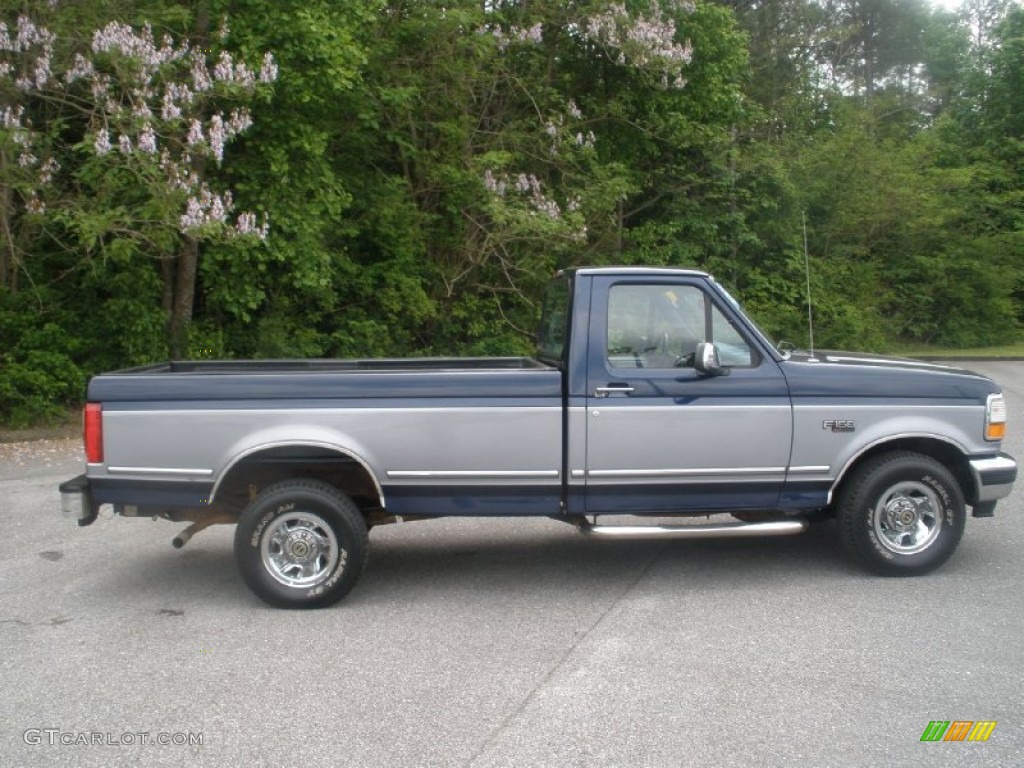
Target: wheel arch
x: 267, y: 463
x: 948, y: 453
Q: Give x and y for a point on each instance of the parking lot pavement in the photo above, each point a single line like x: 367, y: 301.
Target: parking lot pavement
x: 502, y: 643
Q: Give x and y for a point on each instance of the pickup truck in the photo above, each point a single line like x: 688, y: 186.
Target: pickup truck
x: 652, y: 396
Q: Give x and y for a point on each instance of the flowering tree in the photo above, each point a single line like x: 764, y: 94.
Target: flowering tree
x: 106, y: 143
x: 515, y: 138
x: 645, y: 45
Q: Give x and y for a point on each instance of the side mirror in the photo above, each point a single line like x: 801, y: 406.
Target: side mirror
x: 707, y: 362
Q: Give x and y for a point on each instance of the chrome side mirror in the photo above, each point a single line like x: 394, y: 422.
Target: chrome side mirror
x: 707, y: 362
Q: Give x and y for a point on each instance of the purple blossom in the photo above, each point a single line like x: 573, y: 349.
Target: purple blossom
x: 534, y: 34
x: 207, y: 207
x: 155, y: 97
x: 147, y: 140
x: 195, y: 133
x: 547, y: 207
x: 101, y: 143
x: 47, y: 169
x: 193, y: 216
x: 100, y: 87
x: 141, y: 111
x: 268, y: 69
x: 515, y: 34
x: 170, y: 110
x: 200, y: 74
x: 27, y: 34
x: 646, y: 41
x: 493, y: 185
x: 82, y: 68
x: 42, y: 70
x: 223, y: 70
x: 11, y: 116
x: 244, y: 76
x: 217, y: 136
x: 585, y: 140
x: 239, y: 121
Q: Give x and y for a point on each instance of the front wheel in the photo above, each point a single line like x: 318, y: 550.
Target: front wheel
x: 301, y: 544
x: 901, y: 514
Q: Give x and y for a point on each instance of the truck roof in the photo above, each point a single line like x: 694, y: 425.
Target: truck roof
x: 635, y: 270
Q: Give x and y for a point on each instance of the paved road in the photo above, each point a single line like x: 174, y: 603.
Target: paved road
x: 503, y: 643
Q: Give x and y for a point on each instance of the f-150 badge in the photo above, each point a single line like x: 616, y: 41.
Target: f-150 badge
x: 839, y: 425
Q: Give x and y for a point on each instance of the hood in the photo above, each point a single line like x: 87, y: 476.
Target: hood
x: 831, y: 373
x: 871, y: 359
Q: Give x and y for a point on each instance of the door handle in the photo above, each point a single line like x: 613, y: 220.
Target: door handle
x: 613, y: 389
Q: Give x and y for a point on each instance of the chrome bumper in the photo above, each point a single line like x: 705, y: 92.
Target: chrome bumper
x: 76, y: 501
x: 993, y: 477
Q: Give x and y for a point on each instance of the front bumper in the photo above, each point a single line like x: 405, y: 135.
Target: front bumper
x: 993, y: 477
x: 76, y: 501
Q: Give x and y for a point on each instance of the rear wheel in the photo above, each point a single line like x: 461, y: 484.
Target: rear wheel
x: 301, y: 544
x: 901, y: 514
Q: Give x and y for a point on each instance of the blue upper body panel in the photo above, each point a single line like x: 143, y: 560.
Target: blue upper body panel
x: 844, y: 375
x: 336, y: 380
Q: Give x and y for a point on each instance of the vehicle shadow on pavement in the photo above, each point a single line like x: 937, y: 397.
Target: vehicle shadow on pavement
x: 525, y: 560
x: 528, y: 564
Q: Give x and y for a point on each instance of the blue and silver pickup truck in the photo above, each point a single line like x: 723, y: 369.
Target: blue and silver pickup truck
x: 651, y: 395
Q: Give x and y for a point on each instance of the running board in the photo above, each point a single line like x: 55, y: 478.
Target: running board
x: 722, y: 531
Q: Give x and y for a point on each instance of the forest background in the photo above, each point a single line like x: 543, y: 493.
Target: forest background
x: 269, y: 178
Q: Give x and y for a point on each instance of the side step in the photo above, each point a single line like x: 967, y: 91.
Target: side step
x: 722, y: 531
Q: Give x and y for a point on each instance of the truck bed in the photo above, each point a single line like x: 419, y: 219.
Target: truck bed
x: 300, y: 366
x: 485, y: 377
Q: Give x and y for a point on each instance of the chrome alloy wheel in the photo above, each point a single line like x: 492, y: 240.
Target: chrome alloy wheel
x: 299, y: 550
x: 907, y: 518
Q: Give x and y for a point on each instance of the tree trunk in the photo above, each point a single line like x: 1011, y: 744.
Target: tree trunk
x: 8, y: 256
x: 167, y: 293
x: 179, y: 295
x: 184, y: 297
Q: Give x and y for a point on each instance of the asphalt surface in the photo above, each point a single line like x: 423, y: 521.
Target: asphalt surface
x: 502, y: 643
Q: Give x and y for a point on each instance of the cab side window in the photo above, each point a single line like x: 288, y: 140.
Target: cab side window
x: 659, y: 326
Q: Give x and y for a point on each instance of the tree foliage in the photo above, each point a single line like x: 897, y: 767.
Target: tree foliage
x: 411, y: 172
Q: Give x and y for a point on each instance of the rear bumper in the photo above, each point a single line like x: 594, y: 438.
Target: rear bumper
x: 76, y: 500
x: 993, y: 477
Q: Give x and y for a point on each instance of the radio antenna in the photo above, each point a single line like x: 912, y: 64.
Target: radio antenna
x: 807, y: 272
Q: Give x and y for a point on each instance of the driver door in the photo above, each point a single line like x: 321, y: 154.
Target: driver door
x: 662, y: 437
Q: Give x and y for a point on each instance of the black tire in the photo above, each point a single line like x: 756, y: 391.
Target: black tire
x: 901, y: 514
x: 301, y: 544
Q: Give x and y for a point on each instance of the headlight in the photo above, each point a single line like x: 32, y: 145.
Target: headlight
x: 995, y: 418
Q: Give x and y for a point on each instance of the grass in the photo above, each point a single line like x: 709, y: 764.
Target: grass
x: 922, y: 350
x: 69, y: 425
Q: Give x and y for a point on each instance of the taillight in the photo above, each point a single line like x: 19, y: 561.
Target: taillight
x: 92, y: 432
